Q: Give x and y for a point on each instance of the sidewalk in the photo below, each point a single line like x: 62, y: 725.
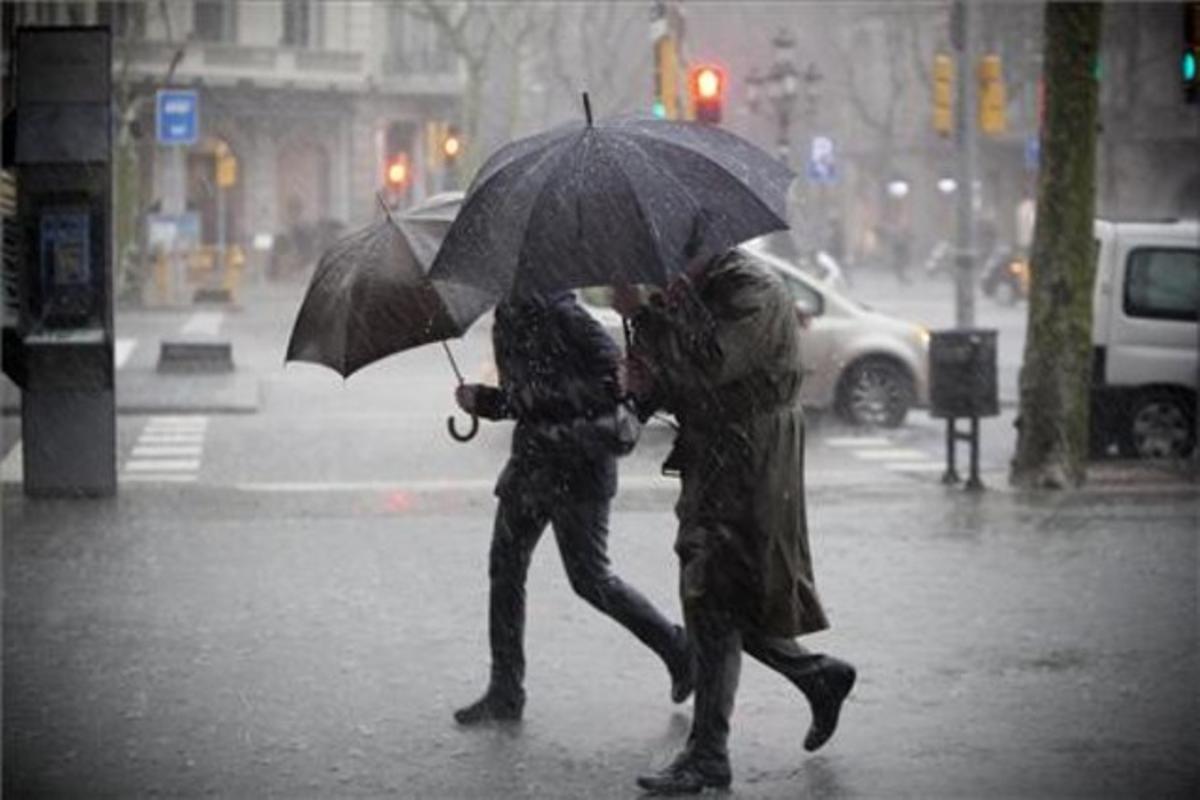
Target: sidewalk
x: 213, y: 643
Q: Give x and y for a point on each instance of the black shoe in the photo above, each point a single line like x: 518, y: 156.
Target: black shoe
x: 494, y: 706
x: 682, y: 668
x: 826, y: 691
x: 685, y: 777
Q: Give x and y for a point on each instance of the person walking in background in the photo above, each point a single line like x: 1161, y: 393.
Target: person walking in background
x: 721, y: 353
x: 558, y: 374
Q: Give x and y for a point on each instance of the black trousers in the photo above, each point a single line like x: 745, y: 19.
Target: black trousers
x: 719, y: 637
x: 581, y: 529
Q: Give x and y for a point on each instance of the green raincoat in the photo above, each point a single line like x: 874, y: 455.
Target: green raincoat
x: 723, y: 356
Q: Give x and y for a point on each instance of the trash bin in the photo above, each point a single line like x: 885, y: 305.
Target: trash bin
x: 962, y: 374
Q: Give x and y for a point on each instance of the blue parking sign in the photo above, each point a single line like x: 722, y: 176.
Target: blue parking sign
x: 177, y: 116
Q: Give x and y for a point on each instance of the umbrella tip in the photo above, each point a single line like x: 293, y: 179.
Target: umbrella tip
x: 587, y: 108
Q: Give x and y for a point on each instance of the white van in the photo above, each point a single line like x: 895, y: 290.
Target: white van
x: 1145, y: 337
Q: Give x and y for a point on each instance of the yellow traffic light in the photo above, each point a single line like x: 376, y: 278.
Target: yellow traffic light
x: 452, y: 144
x: 397, y: 171
x: 992, y: 100
x: 943, y: 94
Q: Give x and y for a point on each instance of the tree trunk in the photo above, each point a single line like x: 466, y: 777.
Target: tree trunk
x: 1052, y: 429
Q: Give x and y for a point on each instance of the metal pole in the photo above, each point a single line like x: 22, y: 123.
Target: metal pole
x: 220, y: 266
x: 175, y: 203
x: 964, y: 138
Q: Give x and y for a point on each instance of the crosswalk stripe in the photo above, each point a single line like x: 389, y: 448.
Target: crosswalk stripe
x: 156, y: 451
x: 171, y: 438
x: 198, y: 425
x: 12, y: 468
x: 178, y: 420
x: 157, y: 478
x: 164, y: 464
x: 122, y: 350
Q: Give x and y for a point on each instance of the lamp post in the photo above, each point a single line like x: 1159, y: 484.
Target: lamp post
x: 781, y: 85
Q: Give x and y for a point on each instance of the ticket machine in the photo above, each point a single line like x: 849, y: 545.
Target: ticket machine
x: 64, y: 197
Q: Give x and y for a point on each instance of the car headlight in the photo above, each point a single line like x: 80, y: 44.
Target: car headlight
x: 923, y: 336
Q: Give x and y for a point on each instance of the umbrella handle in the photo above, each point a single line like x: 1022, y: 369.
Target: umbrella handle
x: 452, y: 428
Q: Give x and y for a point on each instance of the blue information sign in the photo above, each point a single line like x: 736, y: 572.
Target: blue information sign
x: 177, y: 116
x: 822, y: 163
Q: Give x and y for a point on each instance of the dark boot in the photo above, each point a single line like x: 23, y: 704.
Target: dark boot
x: 826, y: 689
x: 682, y: 667
x: 717, y: 662
x: 495, y: 706
x: 685, y: 775
x: 824, y: 680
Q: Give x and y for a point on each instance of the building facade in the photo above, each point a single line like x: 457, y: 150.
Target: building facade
x: 305, y: 96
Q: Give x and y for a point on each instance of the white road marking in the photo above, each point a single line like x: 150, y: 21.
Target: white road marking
x: 154, y: 426
x: 204, y: 323
x: 164, y: 464
x: 890, y: 454
x: 122, y: 350
x: 169, y: 450
x: 857, y: 441
x: 177, y: 420
x: 12, y: 469
x: 152, y: 451
x: 401, y: 485
x: 170, y: 438
x: 157, y: 478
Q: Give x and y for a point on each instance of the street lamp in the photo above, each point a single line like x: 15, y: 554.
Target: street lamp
x: 781, y: 86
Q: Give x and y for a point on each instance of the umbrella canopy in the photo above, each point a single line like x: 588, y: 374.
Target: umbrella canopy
x: 370, y: 297
x: 629, y: 199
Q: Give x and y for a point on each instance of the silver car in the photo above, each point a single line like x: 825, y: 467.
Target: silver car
x: 869, y: 367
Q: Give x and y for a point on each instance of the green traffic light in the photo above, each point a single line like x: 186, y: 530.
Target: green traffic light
x: 659, y: 110
x: 1189, y: 66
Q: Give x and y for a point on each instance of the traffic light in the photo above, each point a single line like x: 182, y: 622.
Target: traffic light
x: 943, y: 94
x: 1189, y: 59
x: 451, y: 146
x: 992, y: 101
x: 397, y: 172
x: 707, y: 85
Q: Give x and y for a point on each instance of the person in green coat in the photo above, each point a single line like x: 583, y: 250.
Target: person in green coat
x: 721, y: 352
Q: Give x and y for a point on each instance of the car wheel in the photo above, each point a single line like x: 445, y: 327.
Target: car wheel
x: 1005, y: 293
x: 875, y: 392
x: 1161, y: 425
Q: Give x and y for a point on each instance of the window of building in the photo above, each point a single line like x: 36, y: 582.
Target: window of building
x: 415, y: 44
x: 215, y: 21
x: 302, y: 23
x: 1163, y: 284
x: 125, y: 18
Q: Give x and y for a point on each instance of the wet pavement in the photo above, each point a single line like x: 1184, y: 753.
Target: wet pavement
x: 200, y: 641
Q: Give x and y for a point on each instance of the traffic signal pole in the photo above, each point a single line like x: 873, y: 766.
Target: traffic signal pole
x: 964, y: 143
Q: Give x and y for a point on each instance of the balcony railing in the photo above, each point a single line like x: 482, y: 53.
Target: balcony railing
x: 224, y: 60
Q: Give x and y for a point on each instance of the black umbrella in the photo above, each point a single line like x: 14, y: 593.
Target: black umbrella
x: 370, y: 296
x: 630, y: 199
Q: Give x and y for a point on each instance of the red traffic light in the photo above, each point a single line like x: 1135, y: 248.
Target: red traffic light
x: 397, y: 170
x: 707, y: 85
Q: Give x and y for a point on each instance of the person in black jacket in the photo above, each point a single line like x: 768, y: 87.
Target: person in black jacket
x: 558, y: 374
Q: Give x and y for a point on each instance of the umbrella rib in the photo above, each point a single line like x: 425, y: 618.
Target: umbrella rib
x: 475, y: 194
x: 637, y: 200
x: 564, y: 151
